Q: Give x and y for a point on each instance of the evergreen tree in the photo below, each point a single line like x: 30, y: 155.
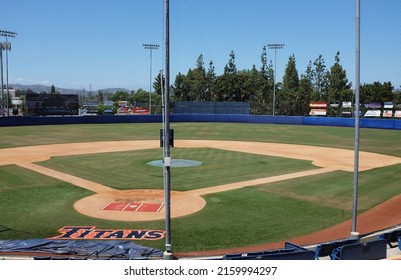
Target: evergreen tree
x: 320, y: 78
x: 291, y: 79
x: 289, y: 97
x: 305, y: 92
x: 230, y: 67
x: 210, y: 82
x: 338, y: 88
x: 180, y: 90
x: 227, y: 84
x: 262, y: 98
x: 159, y: 83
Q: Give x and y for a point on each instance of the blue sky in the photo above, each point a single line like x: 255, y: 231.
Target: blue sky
x: 99, y: 43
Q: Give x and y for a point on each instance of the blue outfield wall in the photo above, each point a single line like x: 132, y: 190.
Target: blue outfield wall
x: 292, y: 120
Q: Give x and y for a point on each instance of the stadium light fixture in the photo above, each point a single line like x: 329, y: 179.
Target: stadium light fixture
x: 150, y: 47
x: 7, y: 47
x: 275, y: 47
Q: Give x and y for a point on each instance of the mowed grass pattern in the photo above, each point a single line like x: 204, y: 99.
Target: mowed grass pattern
x: 129, y: 170
x: 35, y: 206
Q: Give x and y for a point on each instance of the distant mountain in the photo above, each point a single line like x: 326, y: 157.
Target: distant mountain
x: 47, y: 89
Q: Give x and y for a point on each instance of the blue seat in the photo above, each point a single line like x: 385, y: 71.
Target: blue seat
x: 391, y: 237
x: 371, y: 250
x: 290, y: 252
x: 326, y: 249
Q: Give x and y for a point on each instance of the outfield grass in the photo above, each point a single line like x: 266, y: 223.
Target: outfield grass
x: 35, y: 206
x: 374, y: 140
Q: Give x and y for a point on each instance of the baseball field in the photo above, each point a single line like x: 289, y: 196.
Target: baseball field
x: 256, y: 184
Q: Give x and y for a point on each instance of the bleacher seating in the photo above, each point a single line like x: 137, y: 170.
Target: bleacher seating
x: 391, y: 237
x: 326, y: 249
x: 371, y: 250
x: 290, y: 252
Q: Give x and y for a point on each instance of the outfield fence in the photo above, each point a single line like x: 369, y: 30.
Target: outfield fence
x: 394, y: 124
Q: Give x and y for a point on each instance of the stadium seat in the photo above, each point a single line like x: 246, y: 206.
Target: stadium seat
x: 326, y: 249
x: 372, y: 250
x: 391, y: 237
x: 290, y: 252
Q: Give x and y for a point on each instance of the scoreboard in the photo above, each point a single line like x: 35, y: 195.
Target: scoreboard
x: 45, y: 104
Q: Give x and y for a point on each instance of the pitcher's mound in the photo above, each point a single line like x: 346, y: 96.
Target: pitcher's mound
x: 138, y: 205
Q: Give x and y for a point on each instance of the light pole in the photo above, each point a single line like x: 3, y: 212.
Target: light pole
x: 168, y: 253
x: 354, y: 234
x: 7, y: 47
x: 150, y: 47
x: 275, y: 47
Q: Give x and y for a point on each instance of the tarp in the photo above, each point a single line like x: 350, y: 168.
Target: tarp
x: 80, y: 248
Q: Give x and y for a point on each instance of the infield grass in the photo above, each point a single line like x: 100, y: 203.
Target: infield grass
x: 129, y: 170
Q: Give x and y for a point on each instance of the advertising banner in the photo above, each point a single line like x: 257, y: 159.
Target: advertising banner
x: 387, y: 114
x: 373, y: 105
x: 140, y: 111
x: 319, y: 104
x: 318, y: 112
x: 388, y: 105
x: 373, y: 113
x: 347, y: 104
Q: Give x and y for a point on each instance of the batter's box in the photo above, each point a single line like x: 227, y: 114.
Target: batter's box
x: 134, y: 206
x: 116, y: 206
x: 150, y: 207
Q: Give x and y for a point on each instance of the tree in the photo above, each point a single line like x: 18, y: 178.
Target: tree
x: 53, y: 89
x: 227, y: 84
x: 305, y: 91
x: 210, y: 82
x: 197, y: 81
x: 180, y: 89
x: 377, y: 92
x: 230, y: 67
x: 289, y: 97
x: 262, y: 98
x: 159, y: 83
x: 338, y: 88
x: 140, y: 97
x: 320, y: 78
x: 120, y: 96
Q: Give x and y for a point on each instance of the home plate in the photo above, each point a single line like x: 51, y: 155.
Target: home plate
x: 134, y: 206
